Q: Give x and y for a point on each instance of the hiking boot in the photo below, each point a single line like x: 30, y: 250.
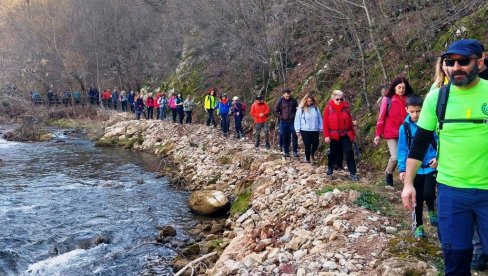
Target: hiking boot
x: 419, y: 232
x: 256, y: 149
x: 295, y: 154
x: 434, y: 220
x: 286, y: 155
x: 329, y: 171
x: 354, y: 178
x: 267, y: 146
x: 479, y: 262
x: 389, y: 179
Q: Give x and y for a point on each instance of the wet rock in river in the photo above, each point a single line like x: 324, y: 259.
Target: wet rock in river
x: 207, y: 202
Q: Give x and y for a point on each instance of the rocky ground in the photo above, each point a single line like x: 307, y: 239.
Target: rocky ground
x: 287, y: 217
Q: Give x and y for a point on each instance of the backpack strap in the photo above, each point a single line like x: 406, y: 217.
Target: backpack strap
x: 442, y: 104
x: 408, y: 134
x: 388, y: 106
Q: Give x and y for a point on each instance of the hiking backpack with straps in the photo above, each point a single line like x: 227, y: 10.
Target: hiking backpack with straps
x: 408, y: 134
x: 442, y: 106
x: 243, y: 108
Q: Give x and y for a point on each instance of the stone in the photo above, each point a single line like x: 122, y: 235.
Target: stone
x: 297, y: 255
x: 191, y: 250
x: 362, y: 229
x: 216, y: 228
x: 296, y: 243
x: 167, y: 231
x: 329, y: 265
x: 353, y: 195
x: 391, y: 230
x: 207, y: 202
x: 340, y: 226
x: 232, y: 267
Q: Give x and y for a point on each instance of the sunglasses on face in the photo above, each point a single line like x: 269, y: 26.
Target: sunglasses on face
x: 462, y: 61
x: 339, y: 99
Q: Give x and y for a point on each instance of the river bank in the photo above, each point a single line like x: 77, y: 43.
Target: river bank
x: 287, y: 216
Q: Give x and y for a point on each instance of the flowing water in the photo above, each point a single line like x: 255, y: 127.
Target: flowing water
x: 69, y: 208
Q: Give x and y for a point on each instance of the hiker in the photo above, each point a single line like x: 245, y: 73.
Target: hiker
x: 179, y: 107
x: 260, y: 111
x: 156, y: 104
x: 479, y: 258
x: 77, y: 97
x: 308, y: 123
x: 458, y: 111
x: 424, y: 182
x: 123, y: 100
x: 139, y: 107
x: 238, y: 113
x: 93, y: 95
x: 209, y: 106
x: 223, y: 107
x: 163, y: 105
x: 440, y: 77
x: 339, y: 132
x: 131, y: 101
x: 172, y: 106
x: 188, y: 106
x: 150, y: 106
x: 115, y: 98
x: 391, y: 116
x: 285, y: 109
x: 106, y: 98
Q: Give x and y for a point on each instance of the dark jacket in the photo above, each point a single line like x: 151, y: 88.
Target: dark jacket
x: 285, y: 110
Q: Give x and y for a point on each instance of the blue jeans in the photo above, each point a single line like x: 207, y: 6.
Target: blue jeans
x: 458, y: 211
x: 162, y: 112
x: 287, y: 132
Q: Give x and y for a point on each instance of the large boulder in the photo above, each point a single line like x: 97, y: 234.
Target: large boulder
x: 207, y: 202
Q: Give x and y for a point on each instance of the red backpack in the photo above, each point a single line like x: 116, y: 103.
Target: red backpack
x: 243, y: 109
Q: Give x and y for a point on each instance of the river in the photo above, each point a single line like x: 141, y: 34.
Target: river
x: 70, y: 208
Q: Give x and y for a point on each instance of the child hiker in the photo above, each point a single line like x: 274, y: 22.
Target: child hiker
x: 425, y: 181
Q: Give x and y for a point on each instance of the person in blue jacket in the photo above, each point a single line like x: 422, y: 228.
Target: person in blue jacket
x: 224, y: 109
x: 425, y: 180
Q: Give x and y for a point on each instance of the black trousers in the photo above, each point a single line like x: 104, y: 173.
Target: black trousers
x: 188, y: 117
x: 175, y: 112
x: 150, y: 112
x: 345, y: 144
x: 181, y: 114
x: 210, y: 117
x: 425, y: 186
x: 310, y: 142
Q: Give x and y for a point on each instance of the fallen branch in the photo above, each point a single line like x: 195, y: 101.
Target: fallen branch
x: 190, y: 264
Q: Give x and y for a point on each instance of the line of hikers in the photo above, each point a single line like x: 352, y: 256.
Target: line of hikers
x: 439, y: 145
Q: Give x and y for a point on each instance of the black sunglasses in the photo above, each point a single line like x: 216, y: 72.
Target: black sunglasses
x: 462, y: 61
x: 339, y: 100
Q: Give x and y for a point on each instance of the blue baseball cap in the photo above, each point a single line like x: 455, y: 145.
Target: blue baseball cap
x: 465, y: 47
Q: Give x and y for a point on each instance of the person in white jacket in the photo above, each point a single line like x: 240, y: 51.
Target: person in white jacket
x: 308, y: 124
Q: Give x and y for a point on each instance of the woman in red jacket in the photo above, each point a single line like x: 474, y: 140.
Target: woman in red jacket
x: 150, y: 106
x: 339, y: 132
x: 391, y: 117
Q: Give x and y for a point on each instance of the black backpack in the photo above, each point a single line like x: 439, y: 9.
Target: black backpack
x: 408, y: 134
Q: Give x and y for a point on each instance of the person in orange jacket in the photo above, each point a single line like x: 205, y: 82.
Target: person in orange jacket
x: 260, y: 111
